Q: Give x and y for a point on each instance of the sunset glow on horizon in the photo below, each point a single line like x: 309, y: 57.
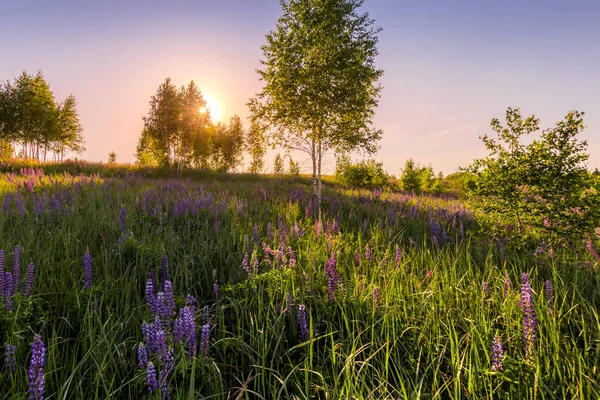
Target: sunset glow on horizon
x: 448, y: 70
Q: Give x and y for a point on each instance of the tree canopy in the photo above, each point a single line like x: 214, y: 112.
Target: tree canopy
x: 31, y: 117
x: 542, y: 183
x: 178, y: 130
x: 320, y: 80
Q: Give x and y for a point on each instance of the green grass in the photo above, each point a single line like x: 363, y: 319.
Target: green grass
x: 422, y: 337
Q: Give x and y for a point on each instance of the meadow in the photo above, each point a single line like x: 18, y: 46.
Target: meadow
x: 145, y: 284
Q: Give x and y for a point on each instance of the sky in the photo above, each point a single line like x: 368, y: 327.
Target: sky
x: 449, y: 66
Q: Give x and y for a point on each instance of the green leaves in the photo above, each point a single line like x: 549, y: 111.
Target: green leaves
x: 30, y: 115
x: 543, y: 184
x: 321, y: 84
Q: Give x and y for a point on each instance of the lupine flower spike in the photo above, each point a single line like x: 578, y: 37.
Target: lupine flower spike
x: 497, y: 354
x: 87, y: 270
x: 529, y: 318
x: 36, y: 369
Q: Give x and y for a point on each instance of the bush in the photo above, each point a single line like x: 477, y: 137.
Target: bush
x: 362, y: 174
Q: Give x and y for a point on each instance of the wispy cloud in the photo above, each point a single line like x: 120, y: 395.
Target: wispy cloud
x: 450, y: 131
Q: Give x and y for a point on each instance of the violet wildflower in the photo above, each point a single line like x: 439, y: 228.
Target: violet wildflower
x: 529, y: 318
x: 169, y: 300
x: 7, y: 199
x: 184, y: 329
x: 10, y: 364
x: 2, y: 279
x: 497, y: 354
x: 246, y: 265
x: 216, y: 289
x: 17, y: 267
x: 164, y: 269
x: 204, y: 339
x: 303, y: 322
x: 9, y: 291
x: 87, y: 270
x: 29, y: 280
x: 151, y: 380
x: 35, y: 372
x: 357, y: 259
x: 163, y: 312
x: 255, y: 233
x: 122, y: 220
x: 331, y: 288
x: 592, y: 250
x: 150, y: 298
x: 191, y: 300
x: 319, y: 226
x: 142, y: 355
x: 398, y: 256
x: 549, y: 291
x: 368, y: 253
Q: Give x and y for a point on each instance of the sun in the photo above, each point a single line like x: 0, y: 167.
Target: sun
x: 213, y: 106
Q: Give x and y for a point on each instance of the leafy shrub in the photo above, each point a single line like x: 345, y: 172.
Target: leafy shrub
x: 362, y: 174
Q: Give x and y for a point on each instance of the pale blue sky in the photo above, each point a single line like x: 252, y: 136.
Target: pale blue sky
x: 450, y: 66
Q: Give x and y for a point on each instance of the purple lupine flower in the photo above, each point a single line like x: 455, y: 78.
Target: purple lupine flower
x: 549, y: 291
x: 161, y: 306
x: 331, y: 288
x: 501, y: 249
x: 17, y: 268
x: 191, y: 300
x: 540, y: 251
x: 7, y: 199
x: 292, y: 257
x: 486, y: 288
x: 10, y: 364
x: 164, y: 269
x: 204, y: 339
x: 398, y: 256
x: 357, y: 259
x: 87, y: 270
x: 529, y: 318
x: 122, y: 220
x: 303, y: 322
x: 497, y: 354
x: 246, y: 265
x: 2, y: 270
x: 189, y: 330
x: 169, y: 300
x: 216, y: 289
x: 9, y: 291
x: 142, y: 355
x: 151, y: 380
x: 165, y: 391
x: 368, y: 253
x: 592, y: 250
x: 269, y: 233
x: 507, y: 285
x: 375, y: 295
x: 150, y: 298
x: 255, y: 233
x: 35, y: 372
x: 29, y: 281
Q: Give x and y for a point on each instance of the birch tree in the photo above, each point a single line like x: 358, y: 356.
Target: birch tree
x: 321, y: 85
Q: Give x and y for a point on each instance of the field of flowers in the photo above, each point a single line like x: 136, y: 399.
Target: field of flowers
x: 187, y: 288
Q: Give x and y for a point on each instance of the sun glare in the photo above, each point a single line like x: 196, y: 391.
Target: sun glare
x: 213, y: 106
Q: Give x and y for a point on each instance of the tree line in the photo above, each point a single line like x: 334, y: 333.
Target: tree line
x: 178, y: 131
x: 33, y: 124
